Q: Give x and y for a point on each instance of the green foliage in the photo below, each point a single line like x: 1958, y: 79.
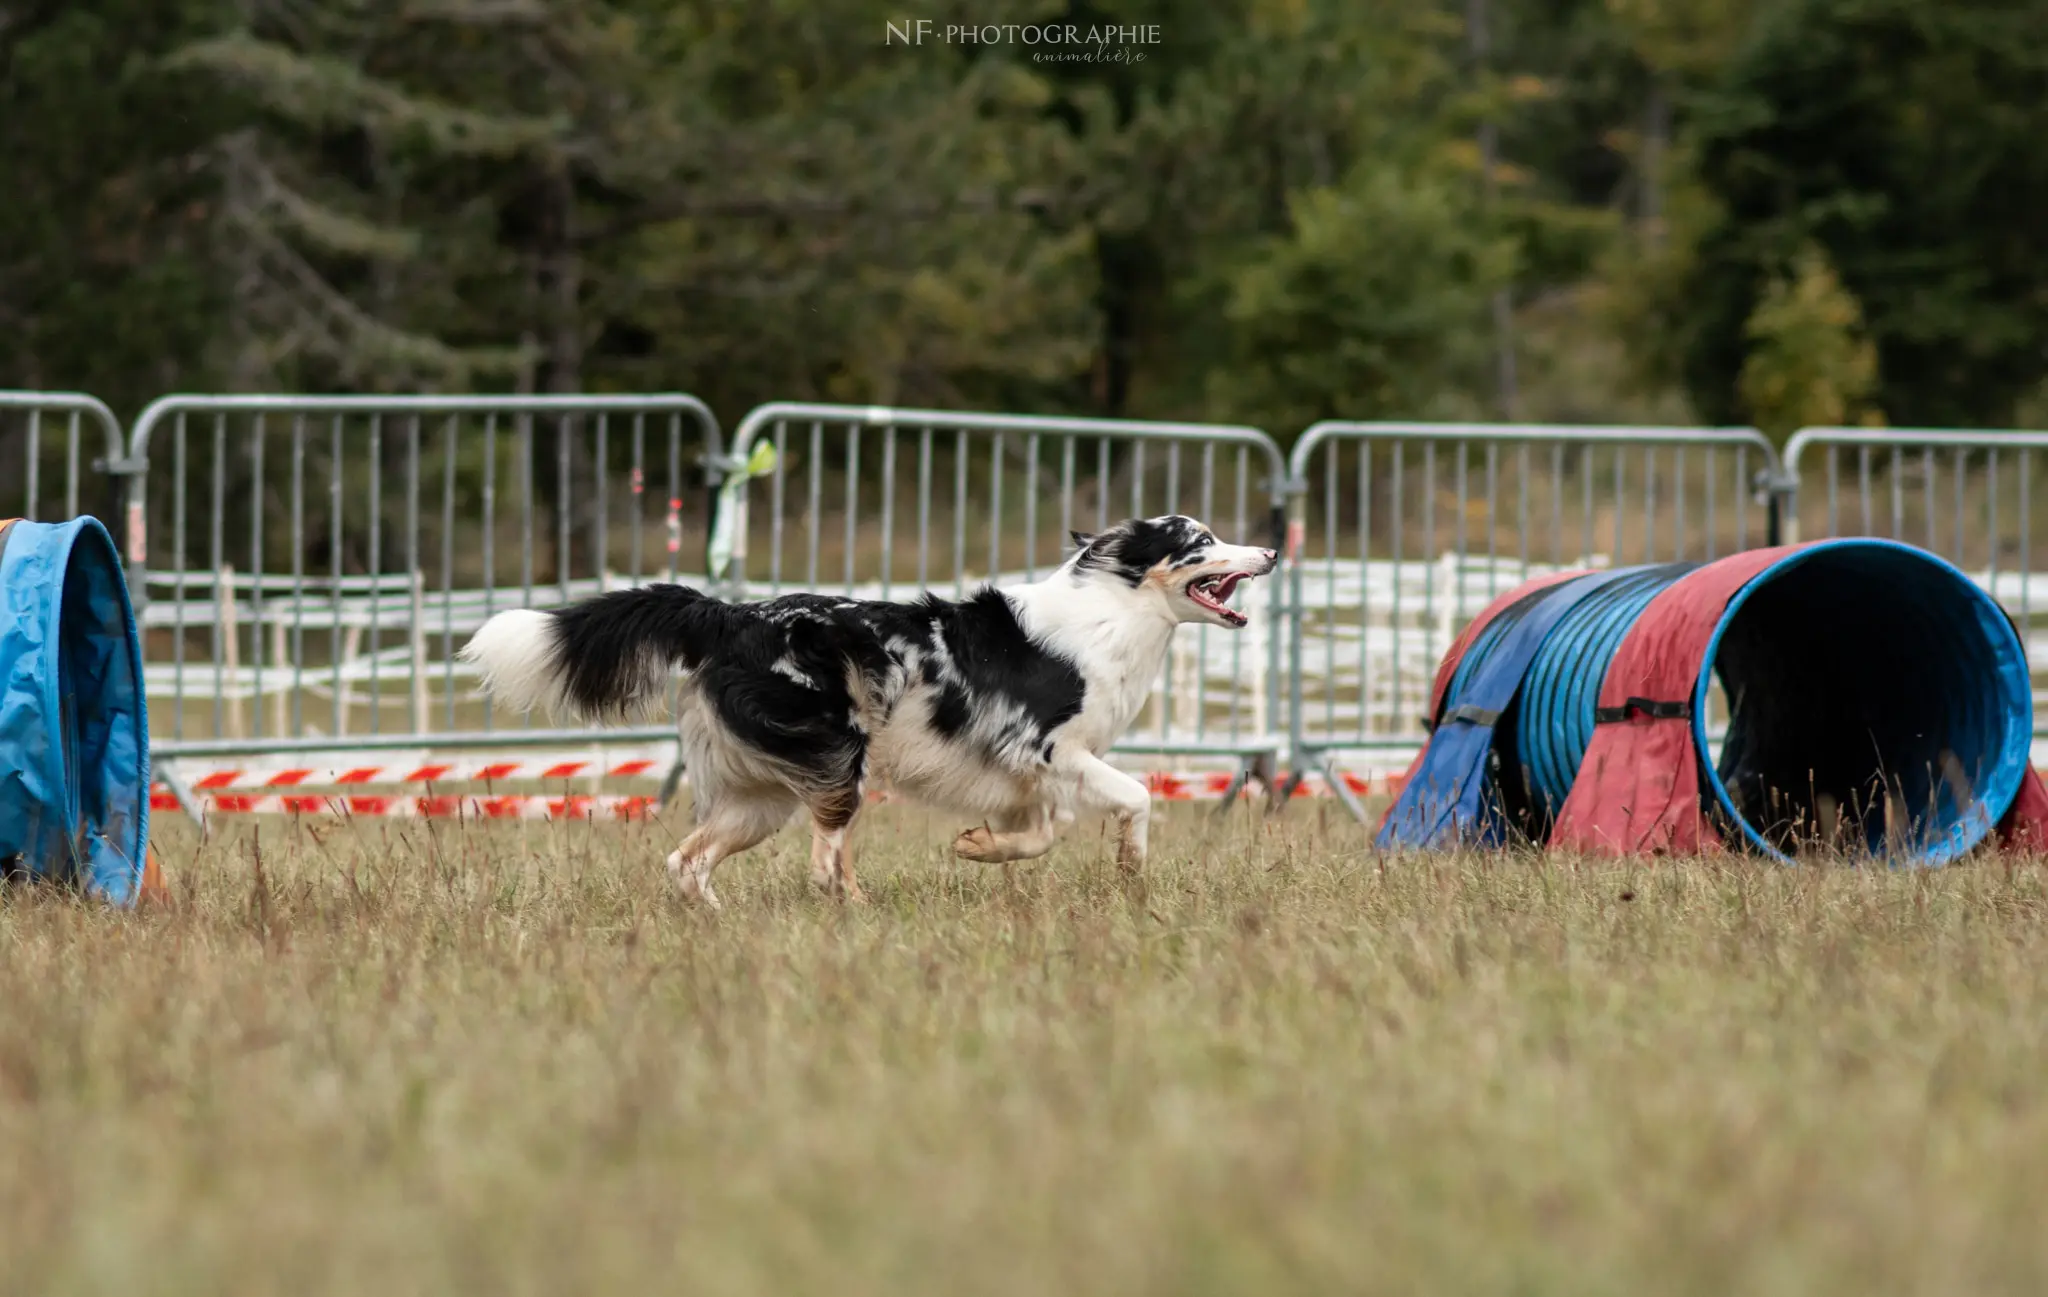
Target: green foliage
x: 1645, y: 286
x: 1809, y: 364
x: 1903, y: 139
x: 1239, y: 212
x: 325, y: 93
x: 1286, y: 208
x: 107, y: 274
x: 900, y: 236
x: 1366, y: 310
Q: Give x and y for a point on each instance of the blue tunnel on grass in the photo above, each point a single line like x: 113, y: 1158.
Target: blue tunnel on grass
x: 1875, y: 675
x: 1454, y: 795
x: 74, y: 727
x: 1878, y: 702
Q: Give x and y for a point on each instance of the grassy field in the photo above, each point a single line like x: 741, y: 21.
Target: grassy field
x: 412, y: 1058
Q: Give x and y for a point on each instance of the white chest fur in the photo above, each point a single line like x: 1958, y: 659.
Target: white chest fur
x: 1117, y: 636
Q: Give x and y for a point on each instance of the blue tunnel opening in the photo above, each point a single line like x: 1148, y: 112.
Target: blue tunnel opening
x: 1879, y: 702
x: 74, y: 728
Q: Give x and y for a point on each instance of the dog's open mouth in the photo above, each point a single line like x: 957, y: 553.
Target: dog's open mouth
x: 1212, y: 592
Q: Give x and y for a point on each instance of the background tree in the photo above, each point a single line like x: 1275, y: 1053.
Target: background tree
x: 1809, y: 364
x: 1285, y: 209
x: 1905, y: 141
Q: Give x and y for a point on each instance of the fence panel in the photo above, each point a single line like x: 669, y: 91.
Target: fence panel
x: 316, y: 561
x: 1401, y: 532
x: 1967, y: 496
x: 884, y: 503
x: 68, y: 450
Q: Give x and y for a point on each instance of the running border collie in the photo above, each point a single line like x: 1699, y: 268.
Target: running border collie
x: 998, y: 706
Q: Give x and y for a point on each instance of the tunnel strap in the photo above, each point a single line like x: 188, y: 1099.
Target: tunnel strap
x: 1472, y: 714
x: 1656, y: 711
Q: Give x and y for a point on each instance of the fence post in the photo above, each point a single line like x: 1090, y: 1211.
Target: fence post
x: 279, y: 653
x: 345, y: 701
x: 1294, y: 545
x: 418, y: 640
x: 1780, y: 486
x: 224, y: 614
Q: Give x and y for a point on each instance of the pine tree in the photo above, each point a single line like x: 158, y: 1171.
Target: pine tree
x: 342, y: 191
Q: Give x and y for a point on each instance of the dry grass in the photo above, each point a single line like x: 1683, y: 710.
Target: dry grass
x: 414, y: 1059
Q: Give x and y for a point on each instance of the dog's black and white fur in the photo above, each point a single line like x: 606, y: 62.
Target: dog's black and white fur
x: 998, y: 706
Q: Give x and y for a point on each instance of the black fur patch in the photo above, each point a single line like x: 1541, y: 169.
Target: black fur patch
x: 1131, y: 549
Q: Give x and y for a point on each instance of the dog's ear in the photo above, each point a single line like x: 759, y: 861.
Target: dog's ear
x: 1081, y: 539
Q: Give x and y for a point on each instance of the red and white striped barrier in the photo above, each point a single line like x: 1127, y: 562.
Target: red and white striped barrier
x: 334, y: 790
x: 291, y: 790
x: 514, y: 807
x: 496, y: 770
x: 1211, y: 786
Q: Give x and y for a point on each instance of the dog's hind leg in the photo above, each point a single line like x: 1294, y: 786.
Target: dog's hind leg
x: 732, y: 826
x: 832, y: 861
x: 832, y: 817
x: 1022, y: 836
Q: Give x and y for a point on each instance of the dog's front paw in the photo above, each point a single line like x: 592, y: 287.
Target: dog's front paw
x: 838, y: 887
x: 692, y: 882
x: 977, y: 844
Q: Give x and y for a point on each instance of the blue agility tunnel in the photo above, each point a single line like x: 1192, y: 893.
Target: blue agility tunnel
x: 1879, y: 703
x: 1873, y: 675
x: 74, y: 729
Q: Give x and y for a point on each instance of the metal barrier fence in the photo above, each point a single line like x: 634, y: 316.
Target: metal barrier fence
x: 67, y: 446
x: 1967, y: 496
x: 1401, y: 532
x: 883, y: 502
x: 316, y: 561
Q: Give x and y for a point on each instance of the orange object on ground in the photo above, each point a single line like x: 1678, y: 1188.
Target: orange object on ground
x: 154, y: 888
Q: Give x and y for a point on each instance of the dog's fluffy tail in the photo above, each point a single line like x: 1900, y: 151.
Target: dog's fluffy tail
x: 604, y: 658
